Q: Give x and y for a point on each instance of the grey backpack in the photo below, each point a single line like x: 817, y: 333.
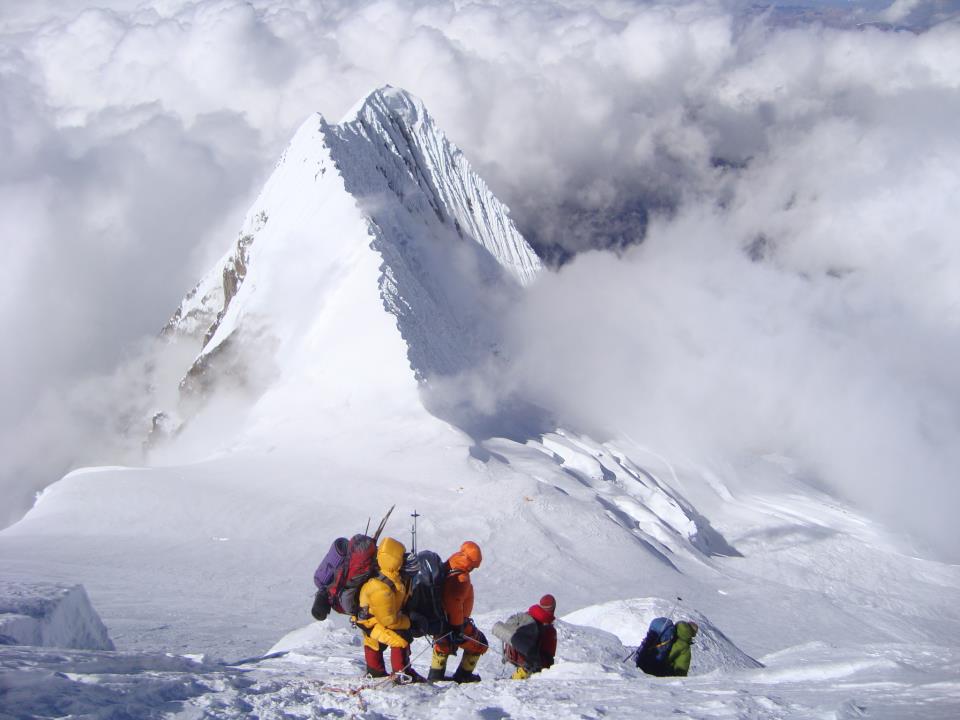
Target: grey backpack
x: 521, y: 633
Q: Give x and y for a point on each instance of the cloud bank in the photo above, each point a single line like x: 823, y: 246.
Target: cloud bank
x: 796, y: 291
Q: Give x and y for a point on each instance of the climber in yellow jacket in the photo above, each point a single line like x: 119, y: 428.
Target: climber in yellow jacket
x: 381, y: 619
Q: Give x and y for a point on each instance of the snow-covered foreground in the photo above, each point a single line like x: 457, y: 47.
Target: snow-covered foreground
x: 317, y: 674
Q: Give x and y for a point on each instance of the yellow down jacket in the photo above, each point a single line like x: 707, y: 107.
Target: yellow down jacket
x: 382, y: 597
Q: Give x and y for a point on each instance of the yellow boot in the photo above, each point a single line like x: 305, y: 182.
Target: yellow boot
x: 438, y: 666
x: 520, y: 674
x: 464, y: 673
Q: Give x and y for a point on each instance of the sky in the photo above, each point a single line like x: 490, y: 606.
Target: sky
x: 794, y: 186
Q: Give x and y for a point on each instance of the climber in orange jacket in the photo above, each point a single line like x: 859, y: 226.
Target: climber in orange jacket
x: 457, y: 598
x: 381, y: 619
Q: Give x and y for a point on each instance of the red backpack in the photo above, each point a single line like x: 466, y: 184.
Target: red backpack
x: 359, y: 565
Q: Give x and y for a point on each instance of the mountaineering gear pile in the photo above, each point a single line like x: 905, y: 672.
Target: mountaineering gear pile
x: 529, y: 638
x: 347, y: 565
x: 457, y: 600
x: 665, y: 651
x: 324, y: 576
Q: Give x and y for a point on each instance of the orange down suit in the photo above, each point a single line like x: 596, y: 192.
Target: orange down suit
x: 457, y: 597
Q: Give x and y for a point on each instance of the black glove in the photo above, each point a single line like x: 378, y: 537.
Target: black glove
x: 321, y: 605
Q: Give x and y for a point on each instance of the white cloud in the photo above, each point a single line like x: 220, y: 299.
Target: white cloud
x: 135, y: 132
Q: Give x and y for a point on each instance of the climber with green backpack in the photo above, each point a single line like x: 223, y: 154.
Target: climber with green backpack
x: 666, y: 649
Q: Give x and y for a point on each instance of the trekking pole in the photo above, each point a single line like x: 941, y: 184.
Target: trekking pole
x: 413, y: 532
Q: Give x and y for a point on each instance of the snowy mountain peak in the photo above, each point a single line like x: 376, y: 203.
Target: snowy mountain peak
x: 389, y: 101
x: 458, y: 195
x: 374, y: 258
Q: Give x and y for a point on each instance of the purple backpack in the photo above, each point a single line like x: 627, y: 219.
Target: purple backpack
x: 330, y: 564
x: 324, y: 576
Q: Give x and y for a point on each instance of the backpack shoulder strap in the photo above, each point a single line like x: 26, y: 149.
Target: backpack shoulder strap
x: 386, y: 581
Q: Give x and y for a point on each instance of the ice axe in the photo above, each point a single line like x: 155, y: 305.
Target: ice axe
x: 376, y: 535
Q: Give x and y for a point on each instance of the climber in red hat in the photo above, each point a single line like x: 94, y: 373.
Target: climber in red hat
x: 529, y: 638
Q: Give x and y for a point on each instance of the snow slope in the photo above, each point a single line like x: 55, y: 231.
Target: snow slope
x: 373, y: 262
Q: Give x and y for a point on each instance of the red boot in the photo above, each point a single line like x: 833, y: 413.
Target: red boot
x: 375, y: 665
x: 402, y: 670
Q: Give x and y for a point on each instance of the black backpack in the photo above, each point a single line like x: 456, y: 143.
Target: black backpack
x: 654, y: 651
x: 520, y: 635
x: 426, y: 573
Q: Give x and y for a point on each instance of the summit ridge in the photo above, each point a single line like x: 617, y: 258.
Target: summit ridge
x: 381, y: 200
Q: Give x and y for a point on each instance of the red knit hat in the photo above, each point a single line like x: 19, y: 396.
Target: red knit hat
x: 549, y: 603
